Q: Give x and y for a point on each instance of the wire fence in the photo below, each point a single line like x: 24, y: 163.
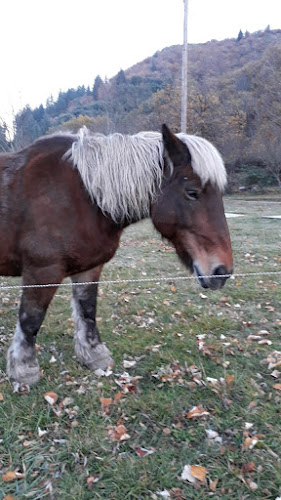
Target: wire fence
x: 142, y: 280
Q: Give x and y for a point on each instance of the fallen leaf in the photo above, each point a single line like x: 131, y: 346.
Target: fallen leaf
x: 248, y: 425
x: 198, y: 472
x: 11, y: 475
x: 249, y: 467
x: 92, y: 480
x: 27, y: 443
x: 67, y: 401
x: 277, y: 387
x: 264, y: 342
x: 41, y: 432
x: 117, y: 397
x: 1, y: 397
x: 213, y: 437
x: 229, y: 379
x: 143, y: 452
x: 106, y: 401
x: 252, y: 485
x: 128, y: 364
x: 163, y: 494
x: 166, y: 431
x: 103, y: 373
x: 51, y: 397
x: 249, y: 443
x: 187, y: 476
x: 9, y: 497
x: 118, y: 433
x: 213, y: 484
x: 197, y: 412
x: 194, y: 474
x: 263, y: 332
x: 254, y: 337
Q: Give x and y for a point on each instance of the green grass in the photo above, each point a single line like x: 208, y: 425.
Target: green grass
x: 157, y: 324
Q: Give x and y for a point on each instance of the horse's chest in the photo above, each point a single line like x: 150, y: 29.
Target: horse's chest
x: 92, y: 250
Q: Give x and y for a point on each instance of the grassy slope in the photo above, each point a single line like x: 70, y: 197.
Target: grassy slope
x: 157, y: 325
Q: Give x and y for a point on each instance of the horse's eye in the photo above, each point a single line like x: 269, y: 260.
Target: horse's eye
x: 191, y: 194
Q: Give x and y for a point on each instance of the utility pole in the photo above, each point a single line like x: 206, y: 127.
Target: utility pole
x: 184, y: 72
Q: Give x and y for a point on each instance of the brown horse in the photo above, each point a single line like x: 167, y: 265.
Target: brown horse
x: 64, y: 202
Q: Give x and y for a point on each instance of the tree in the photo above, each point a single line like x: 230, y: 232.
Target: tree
x: 27, y: 128
x: 240, y: 36
x: 270, y: 151
x: 99, y: 124
x: 96, y: 88
x: 4, y: 131
x: 120, y: 78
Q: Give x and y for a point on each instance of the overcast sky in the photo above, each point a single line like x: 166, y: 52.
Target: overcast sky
x: 47, y: 46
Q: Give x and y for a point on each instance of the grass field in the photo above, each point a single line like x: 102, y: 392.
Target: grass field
x: 196, y: 381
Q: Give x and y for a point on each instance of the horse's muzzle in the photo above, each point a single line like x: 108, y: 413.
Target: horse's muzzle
x: 214, y: 281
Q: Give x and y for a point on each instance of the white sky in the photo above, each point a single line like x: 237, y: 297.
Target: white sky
x: 47, y: 46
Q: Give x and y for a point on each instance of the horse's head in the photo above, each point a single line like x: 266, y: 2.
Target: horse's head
x: 189, y: 210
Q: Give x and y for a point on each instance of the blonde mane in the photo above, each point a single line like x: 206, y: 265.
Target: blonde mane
x: 122, y: 173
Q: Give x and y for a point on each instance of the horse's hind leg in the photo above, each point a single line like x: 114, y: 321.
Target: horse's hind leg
x: 88, y: 347
x: 22, y: 365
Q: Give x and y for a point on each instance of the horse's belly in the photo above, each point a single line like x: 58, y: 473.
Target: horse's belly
x: 9, y: 267
x: 10, y: 262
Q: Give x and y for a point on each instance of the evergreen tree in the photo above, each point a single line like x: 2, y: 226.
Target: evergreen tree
x: 96, y: 87
x: 120, y: 78
x: 4, y: 143
x: 240, y: 36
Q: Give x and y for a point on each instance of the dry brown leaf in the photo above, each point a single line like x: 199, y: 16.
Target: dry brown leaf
x: 118, y: 433
x: 277, y: 387
x: 252, y: 485
x: 263, y: 332
x: 117, y: 397
x: 1, y: 397
x: 213, y: 484
x: 9, y: 497
x: 28, y: 443
x: 195, y: 474
x: 106, y: 401
x: 51, y: 397
x: 249, y: 443
x: 11, y: 475
x: 229, y: 379
x: 143, y: 452
x: 92, y: 480
x: 197, y: 412
x: 264, y: 342
x: 254, y: 337
x: 249, y: 467
x: 198, y: 472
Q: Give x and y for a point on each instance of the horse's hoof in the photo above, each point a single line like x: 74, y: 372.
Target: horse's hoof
x: 23, y: 372
x: 97, y: 358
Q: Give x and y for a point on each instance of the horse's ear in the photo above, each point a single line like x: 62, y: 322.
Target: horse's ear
x: 175, y: 148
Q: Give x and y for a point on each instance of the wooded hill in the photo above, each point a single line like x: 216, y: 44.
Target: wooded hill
x: 234, y: 100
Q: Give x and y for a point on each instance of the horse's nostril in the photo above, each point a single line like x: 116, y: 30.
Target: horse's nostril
x: 221, y: 271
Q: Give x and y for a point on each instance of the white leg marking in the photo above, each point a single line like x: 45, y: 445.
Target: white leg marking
x: 92, y: 354
x: 22, y: 365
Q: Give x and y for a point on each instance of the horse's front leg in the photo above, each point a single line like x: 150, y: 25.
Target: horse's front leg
x: 88, y: 346
x: 22, y: 365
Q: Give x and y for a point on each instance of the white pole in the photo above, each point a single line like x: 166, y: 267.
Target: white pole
x: 184, y: 72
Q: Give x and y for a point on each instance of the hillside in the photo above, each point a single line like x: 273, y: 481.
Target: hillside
x: 234, y: 100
